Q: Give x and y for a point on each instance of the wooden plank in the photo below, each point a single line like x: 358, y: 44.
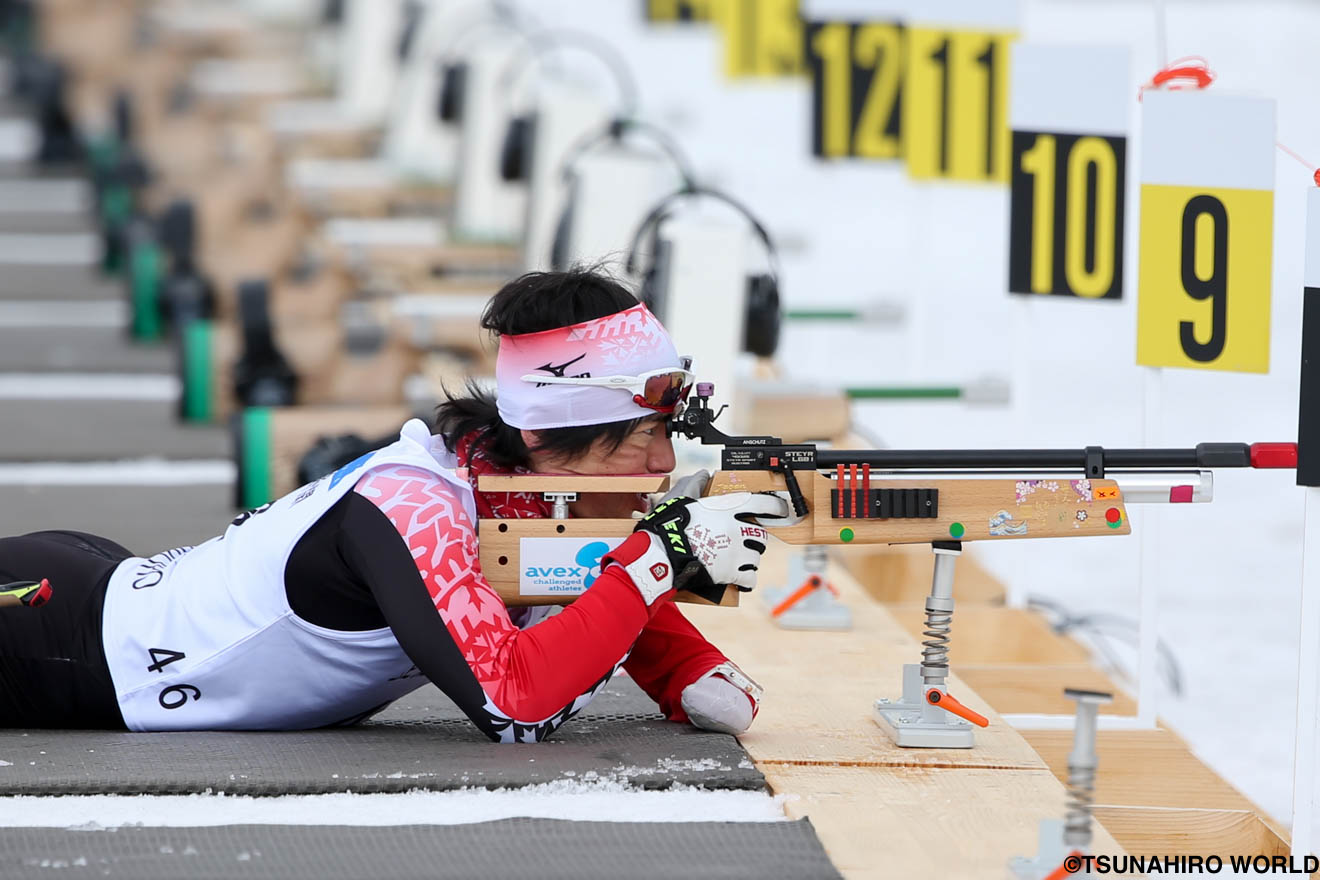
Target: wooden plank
x: 1191, y: 832
x: 950, y: 824
x: 1143, y: 768
x: 422, y: 263
x: 328, y: 374
x: 583, y: 483
x: 902, y: 573
x: 502, y: 557
x: 820, y: 686
x: 1038, y: 689
x: 795, y: 416
x: 401, y: 197
x: 294, y: 430
x: 985, y: 634
x: 970, y: 509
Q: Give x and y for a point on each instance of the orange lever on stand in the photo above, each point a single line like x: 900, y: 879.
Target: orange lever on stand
x: 1062, y: 871
x: 813, y: 583
x: 946, y: 702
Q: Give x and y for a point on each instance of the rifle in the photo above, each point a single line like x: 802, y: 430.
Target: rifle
x: 872, y: 496
x: 869, y: 496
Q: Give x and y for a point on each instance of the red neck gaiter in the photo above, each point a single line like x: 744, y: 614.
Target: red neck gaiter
x: 505, y: 505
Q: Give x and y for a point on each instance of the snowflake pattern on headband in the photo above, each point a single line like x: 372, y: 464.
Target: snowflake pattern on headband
x: 621, y: 337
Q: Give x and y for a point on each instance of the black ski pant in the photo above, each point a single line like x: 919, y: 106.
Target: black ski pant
x: 53, y: 671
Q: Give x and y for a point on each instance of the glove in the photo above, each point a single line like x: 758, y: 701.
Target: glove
x: 724, y: 700
x: 712, y: 542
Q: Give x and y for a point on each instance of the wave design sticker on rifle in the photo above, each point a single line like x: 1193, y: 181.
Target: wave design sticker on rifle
x: 1002, y: 524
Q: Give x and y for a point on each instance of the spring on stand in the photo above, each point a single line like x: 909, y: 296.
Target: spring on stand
x: 814, y: 559
x: 935, y: 649
x: 1081, y: 800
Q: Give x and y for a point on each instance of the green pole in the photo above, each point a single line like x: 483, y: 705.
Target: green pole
x: 933, y: 392
x: 144, y: 269
x: 822, y: 315
x: 197, y: 372
x: 256, y: 456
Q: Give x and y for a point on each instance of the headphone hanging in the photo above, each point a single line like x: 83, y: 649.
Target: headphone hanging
x: 762, y: 316
x: 520, y: 136
x: 453, y: 71
x: 614, y: 132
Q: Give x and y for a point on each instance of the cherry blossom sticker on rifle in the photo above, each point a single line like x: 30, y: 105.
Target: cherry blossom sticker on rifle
x: 1028, y: 487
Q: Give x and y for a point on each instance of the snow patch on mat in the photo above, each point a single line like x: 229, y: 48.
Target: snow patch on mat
x: 595, y: 801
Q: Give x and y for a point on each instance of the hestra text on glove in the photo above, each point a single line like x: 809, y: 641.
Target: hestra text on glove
x: 715, y: 541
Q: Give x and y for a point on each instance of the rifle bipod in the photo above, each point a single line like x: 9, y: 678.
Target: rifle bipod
x: 808, y: 600
x: 926, y: 716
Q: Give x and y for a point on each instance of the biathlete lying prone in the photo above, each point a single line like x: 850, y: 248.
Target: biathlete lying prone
x: 322, y: 607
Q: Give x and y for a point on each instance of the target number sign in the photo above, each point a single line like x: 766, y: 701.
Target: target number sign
x: 856, y: 82
x: 955, y: 113
x: 1207, y: 224
x: 761, y: 37
x: 1066, y: 214
x: 678, y: 10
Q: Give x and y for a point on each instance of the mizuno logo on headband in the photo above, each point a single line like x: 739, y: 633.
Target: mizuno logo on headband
x: 558, y: 371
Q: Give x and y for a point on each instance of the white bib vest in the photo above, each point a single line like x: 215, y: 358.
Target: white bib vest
x: 203, y: 638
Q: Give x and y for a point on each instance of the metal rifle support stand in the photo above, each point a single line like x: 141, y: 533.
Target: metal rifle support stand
x: 927, y: 717
x: 808, y: 600
x: 1072, y: 836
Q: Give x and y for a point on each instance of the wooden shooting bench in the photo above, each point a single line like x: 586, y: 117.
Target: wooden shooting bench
x: 880, y: 810
x: 883, y: 811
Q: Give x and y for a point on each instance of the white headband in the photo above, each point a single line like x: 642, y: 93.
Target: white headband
x: 626, y: 343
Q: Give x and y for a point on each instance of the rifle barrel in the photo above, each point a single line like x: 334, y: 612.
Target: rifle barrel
x: 1207, y: 455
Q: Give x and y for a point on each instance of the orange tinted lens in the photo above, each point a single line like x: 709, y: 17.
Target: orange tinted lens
x: 665, y: 390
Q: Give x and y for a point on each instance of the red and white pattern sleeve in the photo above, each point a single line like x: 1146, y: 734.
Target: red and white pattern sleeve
x: 532, y: 680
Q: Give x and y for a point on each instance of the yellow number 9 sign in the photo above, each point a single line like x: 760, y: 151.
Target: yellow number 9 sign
x: 1207, y: 221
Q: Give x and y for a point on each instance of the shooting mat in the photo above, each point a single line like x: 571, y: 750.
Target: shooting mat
x: 421, y: 742
x: 542, y: 848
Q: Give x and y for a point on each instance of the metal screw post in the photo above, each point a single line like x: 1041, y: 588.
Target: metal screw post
x: 1082, y: 764
x: 559, y: 500
x: 939, y: 616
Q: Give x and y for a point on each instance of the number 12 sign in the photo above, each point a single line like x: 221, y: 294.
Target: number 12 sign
x: 1207, y: 231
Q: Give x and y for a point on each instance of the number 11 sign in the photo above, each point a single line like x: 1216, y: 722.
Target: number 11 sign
x: 1207, y: 231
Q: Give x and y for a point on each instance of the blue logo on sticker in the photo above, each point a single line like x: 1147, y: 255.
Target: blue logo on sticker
x: 589, y: 556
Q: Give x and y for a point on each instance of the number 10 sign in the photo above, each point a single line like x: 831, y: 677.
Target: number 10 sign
x: 1069, y: 170
x: 1207, y: 231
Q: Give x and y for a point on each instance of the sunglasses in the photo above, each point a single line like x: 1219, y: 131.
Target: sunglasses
x: 660, y: 390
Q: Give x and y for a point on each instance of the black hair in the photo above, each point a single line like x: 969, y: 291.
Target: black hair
x: 529, y: 304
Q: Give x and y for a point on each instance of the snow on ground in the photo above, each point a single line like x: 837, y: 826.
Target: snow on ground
x: 595, y: 801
